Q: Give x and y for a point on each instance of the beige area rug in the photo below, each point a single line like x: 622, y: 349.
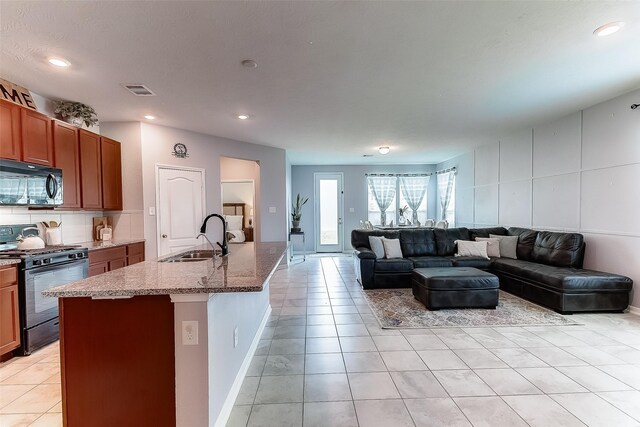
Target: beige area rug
x: 397, y: 308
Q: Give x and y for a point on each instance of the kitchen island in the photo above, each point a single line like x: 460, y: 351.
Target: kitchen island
x: 163, y: 343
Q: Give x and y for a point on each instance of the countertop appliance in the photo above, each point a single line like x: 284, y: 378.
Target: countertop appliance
x: 27, y: 184
x: 38, y: 270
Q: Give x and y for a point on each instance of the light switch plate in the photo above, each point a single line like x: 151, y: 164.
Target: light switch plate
x: 152, y: 210
x: 189, y: 332
x: 272, y: 209
x: 352, y: 210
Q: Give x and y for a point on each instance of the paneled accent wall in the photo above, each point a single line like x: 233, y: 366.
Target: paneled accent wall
x: 578, y: 173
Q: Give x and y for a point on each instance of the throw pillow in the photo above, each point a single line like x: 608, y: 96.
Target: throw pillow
x: 508, y: 245
x: 376, y: 246
x: 493, y: 246
x: 469, y: 248
x: 392, y: 248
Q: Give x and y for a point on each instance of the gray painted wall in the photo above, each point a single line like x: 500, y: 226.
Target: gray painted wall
x: 578, y: 173
x: 355, y: 194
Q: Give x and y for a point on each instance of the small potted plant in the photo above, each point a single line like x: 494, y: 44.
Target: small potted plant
x: 402, y: 220
x: 296, y: 213
x: 76, y: 113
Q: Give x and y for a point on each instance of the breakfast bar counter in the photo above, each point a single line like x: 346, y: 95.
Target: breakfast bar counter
x: 164, y: 342
x: 245, y: 269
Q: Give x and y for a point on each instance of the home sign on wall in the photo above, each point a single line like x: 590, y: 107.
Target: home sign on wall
x: 17, y: 94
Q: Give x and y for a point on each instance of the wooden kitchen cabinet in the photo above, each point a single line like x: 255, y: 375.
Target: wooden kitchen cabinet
x: 9, y: 314
x: 67, y: 155
x: 135, y: 253
x: 111, y: 174
x: 37, y: 142
x: 10, y: 143
x: 90, y: 170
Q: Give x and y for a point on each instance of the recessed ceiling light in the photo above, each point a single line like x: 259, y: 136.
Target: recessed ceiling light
x: 150, y: 117
x: 249, y: 63
x: 383, y: 150
x: 59, y: 62
x: 243, y: 116
x: 608, y: 29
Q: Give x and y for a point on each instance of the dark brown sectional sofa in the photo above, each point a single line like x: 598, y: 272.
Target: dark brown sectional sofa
x: 548, y: 270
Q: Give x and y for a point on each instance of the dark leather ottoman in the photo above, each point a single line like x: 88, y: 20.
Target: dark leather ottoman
x: 455, y: 287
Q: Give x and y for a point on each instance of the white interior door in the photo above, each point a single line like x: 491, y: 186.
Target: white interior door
x: 328, y: 204
x: 180, y: 208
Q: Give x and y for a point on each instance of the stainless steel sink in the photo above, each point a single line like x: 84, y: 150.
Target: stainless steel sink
x: 198, y: 254
x: 193, y: 256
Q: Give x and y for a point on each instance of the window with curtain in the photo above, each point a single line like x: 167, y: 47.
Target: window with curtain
x: 393, y: 193
x: 447, y: 196
x: 382, y: 200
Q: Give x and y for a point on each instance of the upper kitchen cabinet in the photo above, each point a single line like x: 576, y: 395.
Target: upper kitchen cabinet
x: 10, y: 146
x: 67, y: 155
x: 37, y: 143
x: 111, y: 174
x: 90, y: 170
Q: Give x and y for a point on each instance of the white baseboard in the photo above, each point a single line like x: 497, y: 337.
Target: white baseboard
x: 634, y: 310
x: 225, y: 412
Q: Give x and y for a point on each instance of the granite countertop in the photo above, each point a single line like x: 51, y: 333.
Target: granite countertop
x: 9, y: 261
x: 245, y: 269
x: 92, y: 246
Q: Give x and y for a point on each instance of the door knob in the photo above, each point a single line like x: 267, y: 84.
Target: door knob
x: 164, y: 236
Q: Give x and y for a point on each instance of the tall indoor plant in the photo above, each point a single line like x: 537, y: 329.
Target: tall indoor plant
x: 296, y: 212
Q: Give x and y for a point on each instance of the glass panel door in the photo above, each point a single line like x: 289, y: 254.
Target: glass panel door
x: 328, y: 198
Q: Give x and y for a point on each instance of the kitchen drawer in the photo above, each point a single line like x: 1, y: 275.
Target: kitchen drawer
x: 98, y: 268
x: 8, y: 275
x: 102, y: 255
x: 135, y: 249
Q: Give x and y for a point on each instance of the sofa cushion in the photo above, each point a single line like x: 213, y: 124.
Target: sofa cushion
x: 470, y: 261
x: 418, y: 242
x: 446, y: 239
x: 562, y: 278
x: 360, y: 237
x: 526, y: 240
x: 508, y: 245
x: 431, y: 261
x: 484, y: 232
x: 392, y: 248
x: 559, y: 249
x: 375, y: 242
x: 393, y: 265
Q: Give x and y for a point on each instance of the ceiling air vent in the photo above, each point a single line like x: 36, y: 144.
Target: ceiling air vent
x: 138, y: 90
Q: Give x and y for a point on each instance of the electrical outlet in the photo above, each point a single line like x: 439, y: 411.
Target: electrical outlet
x: 189, y: 332
x: 272, y: 209
x: 152, y: 210
x: 352, y: 210
x: 235, y: 337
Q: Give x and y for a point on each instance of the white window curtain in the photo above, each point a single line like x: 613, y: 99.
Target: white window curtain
x: 413, y: 189
x: 445, y: 187
x: 384, y: 191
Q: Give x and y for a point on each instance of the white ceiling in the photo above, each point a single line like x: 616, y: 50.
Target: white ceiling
x: 335, y: 79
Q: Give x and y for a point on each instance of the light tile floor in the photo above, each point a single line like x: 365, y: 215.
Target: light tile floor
x: 324, y: 361
x: 30, y: 390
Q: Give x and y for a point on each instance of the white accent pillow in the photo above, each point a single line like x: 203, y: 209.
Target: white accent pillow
x: 469, y: 248
x: 392, y: 248
x: 376, y: 246
x: 508, y: 245
x: 493, y: 245
x: 234, y: 222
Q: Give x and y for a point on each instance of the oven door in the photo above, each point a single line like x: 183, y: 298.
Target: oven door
x: 38, y: 308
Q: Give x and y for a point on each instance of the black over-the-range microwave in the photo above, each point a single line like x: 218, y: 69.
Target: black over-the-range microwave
x: 28, y: 184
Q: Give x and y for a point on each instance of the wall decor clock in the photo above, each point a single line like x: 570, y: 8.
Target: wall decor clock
x: 180, y: 150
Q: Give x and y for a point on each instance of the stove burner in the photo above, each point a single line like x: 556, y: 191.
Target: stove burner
x: 42, y: 251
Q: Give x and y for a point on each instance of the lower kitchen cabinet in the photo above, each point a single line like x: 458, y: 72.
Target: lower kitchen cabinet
x: 103, y: 260
x: 9, y: 314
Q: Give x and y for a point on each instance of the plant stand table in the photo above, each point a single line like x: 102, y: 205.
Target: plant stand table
x: 291, y: 251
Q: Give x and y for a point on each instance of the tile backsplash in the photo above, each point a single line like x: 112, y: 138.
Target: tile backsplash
x: 77, y: 225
